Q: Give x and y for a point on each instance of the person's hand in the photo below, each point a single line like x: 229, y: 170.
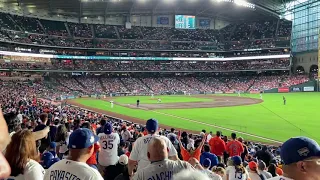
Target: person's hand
x: 193, y: 161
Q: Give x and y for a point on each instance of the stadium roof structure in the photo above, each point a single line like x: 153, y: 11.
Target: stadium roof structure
x: 222, y: 9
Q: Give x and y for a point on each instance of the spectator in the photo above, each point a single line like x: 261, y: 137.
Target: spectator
x: 206, y: 165
x: 191, y: 152
x: 139, y: 152
x: 245, y: 152
x: 62, y: 140
x: 81, y: 147
x: 125, y: 133
x: 263, y: 169
x: 100, y: 129
x: 209, y: 136
x: 123, y: 161
x: 236, y: 170
x: 108, y: 155
x: 220, y: 171
x: 160, y: 164
x: 206, y: 154
x: 272, y: 169
x: 172, y: 133
x: 254, y: 174
x: 234, y: 147
x: 42, y: 125
x: 218, y: 146
x: 300, y: 156
x: 23, y: 157
x: 264, y: 155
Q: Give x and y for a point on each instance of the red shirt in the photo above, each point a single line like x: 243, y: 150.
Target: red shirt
x: 234, y: 148
x: 217, y: 146
x: 186, y: 155
x: 93, y: 158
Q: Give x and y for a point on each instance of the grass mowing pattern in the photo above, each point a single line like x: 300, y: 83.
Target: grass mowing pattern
x: 265, y: 119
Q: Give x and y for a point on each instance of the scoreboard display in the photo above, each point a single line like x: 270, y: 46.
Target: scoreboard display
x: 185, y: 22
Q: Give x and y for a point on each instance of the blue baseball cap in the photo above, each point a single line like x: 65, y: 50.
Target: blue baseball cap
x: 107, y: 129
x: 152, y: 125
x: 52, y: 161
x: 46, y: 157
x: 53, y: 145
x: 236, y: 160
x: 82, y: 138
x: 207, y: 162
x: 298, y: 149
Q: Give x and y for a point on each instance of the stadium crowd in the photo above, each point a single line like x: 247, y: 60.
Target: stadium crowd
x: 238, y: 36
x: 101, y: 65
x: 53, y: 140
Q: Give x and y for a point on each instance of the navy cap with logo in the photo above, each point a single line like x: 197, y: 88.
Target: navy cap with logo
x: 298, y: 149
x: 82, y: 138
x: 152, y: 125
x: 107, y: 129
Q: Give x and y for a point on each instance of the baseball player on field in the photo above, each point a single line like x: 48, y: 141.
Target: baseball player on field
x: 160, y: 167
x: 109, y: 142
x: 81, y: 147
x: 139, y: 152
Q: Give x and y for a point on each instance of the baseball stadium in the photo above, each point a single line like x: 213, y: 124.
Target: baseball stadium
x: 242, y: 71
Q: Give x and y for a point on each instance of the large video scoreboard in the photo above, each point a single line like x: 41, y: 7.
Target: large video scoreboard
x: 185, y: 22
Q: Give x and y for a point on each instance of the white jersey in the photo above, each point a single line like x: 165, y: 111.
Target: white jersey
x: 108, y: 154
x: 140, y: 150
x: 211, y: 175
x: 67, y: 169
x: 231, y: 172
x: 280, y: 178
x: 162, y: 170
x: 33, y: 170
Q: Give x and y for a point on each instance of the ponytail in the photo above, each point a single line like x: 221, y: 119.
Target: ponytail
x: 240, y: 169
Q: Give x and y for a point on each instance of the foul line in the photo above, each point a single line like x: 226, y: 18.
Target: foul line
x: 215, y: 126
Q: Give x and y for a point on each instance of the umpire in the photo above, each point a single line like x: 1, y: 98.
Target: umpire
x: 138, y: 103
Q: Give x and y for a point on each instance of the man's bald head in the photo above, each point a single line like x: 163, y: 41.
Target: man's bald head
x: 157, y: 149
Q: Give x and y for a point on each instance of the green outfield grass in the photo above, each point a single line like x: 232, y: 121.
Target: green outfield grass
x: 164, y: 99
x: 269, y: 119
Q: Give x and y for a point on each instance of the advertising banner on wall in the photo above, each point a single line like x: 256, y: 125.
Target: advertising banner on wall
x: 283, y: 90
x: 296, y: 89
x: 308, y: 89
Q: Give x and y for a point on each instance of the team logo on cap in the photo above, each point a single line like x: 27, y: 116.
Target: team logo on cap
x: 92, y: 139
x: 304, y: 151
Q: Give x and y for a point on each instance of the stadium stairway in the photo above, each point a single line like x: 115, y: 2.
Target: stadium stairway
x: 67, y: 28
x: 102, y: 86
x: 145, y: 84
x: 81, y: 84
x: 116, y: 29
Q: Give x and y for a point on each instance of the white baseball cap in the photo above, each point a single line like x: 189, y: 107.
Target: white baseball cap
x: 123, y: 159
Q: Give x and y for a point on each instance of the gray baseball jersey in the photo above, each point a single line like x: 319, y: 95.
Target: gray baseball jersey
x: 162, y: 170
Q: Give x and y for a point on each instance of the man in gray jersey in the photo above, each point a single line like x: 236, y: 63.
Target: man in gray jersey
x: 161, y: 167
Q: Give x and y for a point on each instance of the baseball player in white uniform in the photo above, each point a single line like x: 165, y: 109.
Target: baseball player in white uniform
x: 111, y: 104
x: 260, y: 95
x: 81, y: 147
x: 159, y: 100
x: 109, y: 142
x: 160, y: 167
x: 139, y: 152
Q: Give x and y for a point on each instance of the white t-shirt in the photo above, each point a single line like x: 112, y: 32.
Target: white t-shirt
x: 140, y: 150
x: 211, y: 174
x: 108, y: 154
x: 280, y: 178
x: 162, y: 170
x: 33, y: 170
x: 67, y: 169
x: 209, y: 137
x: 231, y: 171
x: 254, y: 176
